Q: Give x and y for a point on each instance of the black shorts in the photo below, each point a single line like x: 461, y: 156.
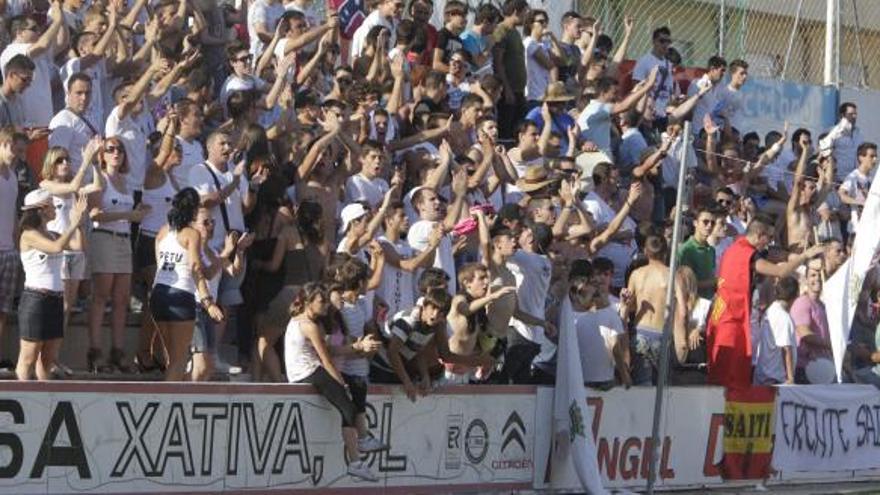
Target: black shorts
x: 169, y: 304
x: 144, y: 252
x: 40, y: 316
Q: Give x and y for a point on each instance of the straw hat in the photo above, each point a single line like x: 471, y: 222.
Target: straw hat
x: 535, y: 178
x: 556, y: 92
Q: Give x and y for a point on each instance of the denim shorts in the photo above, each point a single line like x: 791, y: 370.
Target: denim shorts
x: 40, y: 316
x: 204, y: 336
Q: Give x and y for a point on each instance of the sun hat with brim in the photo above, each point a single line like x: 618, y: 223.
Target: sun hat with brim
x: 350, y: 213
x: 535, y: 178
x: 37, y: 198
x: 556, y: 92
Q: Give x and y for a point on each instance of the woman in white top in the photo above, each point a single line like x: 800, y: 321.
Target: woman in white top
x: 65, y: 190
x: 179, y: 276
x: 41, y: 308
x: 204, y: 342
x: 308, y: 360
x: 160, y: 187
x: 112, y: 211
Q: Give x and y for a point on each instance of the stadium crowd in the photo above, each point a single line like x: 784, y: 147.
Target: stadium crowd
x: 398, y: 202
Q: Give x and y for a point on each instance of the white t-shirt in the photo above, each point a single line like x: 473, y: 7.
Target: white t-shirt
x: 200, y: 178
x: 706, y: 103
x: 418, y: 236
x: 360, y: 188
x: 358, y: 40
x: 777, y: 331
x: 133, y: 131
x: 532, y: 273
x: 538, y: 77
x: 597, y: 333
x: 72, y: 133
x: 37, y: 98
x: 595, y: 124
x: 664, y: 86
x: 620, y: 254
x: 262, y: 12
x: 730, y: 101
x: 397, y: 287
x: 192, y: 154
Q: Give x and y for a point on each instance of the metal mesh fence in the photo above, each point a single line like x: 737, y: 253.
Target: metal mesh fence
x: 779, y: 38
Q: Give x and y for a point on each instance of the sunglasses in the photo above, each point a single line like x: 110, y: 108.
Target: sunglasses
x: 114, y: 149
x: 62, y: 159
x: 246, y: 58
x: 665, y: 41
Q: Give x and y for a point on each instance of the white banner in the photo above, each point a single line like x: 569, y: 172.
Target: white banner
x: 148, y: 437
x: 827, y: 428
x: 620, y: 421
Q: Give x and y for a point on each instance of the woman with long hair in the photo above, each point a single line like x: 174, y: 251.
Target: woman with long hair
x: 112, y: 211
x: 297, y: 259
x: 160, y: 186
x: 308, y: 360
x: 65, y: 187
x: 41, y: 308
x: 179, y: 277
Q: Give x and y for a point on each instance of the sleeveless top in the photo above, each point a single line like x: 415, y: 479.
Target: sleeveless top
x: 302, y: 265
x: 300, y: 357
x: 63, y: 204
x: 115, y: 201
x: 267, y: 284
x: 160, y: 201
x: 42, y: 270
x: 173, y: 265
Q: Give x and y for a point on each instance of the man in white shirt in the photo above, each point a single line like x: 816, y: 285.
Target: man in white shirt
x: 229, y: 196
x: 37, y: 98
x: 428, y: 205
x: 383, y: 14
x: 843, y: 140
x: 9, y: 260
x: 70, y: 128
x: 663, y: 85
x: 595, y: 119
x: 262, y: 17
x: 191, y: 120
x: 729, y: 101
x: 776, y: 359
x: 130, y: 123
x: 713, y: 77
x: 368, y: 185
x: 606, y: 180
x: 20, y: 73
x: 632, y: 142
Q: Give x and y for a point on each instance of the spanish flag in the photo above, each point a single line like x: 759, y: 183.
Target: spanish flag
x: 728, y: 332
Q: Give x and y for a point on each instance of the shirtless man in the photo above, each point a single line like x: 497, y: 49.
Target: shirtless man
x: 318, y: 178
x: 648, y: 287
x: 497, y: 247
x: 806, y: 194
x: 468, y: 319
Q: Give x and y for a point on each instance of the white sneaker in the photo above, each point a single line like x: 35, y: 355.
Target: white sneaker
x: 370, y: 444
x: 360, y: 470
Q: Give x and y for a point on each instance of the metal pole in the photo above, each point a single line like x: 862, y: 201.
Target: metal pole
x: 797, y: 20
x: 863, y: 77
x: 828, y: 72
x: 837, y: 43
x: 721, y: 26
x: 670, y: 308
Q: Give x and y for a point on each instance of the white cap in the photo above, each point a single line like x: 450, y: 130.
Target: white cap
x: 37, y: 199
x: 351, y: 212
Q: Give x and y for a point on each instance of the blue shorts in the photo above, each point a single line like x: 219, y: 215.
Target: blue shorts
x: 169, y: 304
x: 204, y: 337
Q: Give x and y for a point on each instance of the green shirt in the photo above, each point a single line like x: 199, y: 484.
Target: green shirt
x: 701, y: 259
x: 514, y: 60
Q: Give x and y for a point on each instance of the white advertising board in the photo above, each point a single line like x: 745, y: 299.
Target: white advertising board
x: 174, y: 438
x: 621, y: 420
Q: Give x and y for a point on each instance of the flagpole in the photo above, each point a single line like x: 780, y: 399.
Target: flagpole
x: 670, y: 308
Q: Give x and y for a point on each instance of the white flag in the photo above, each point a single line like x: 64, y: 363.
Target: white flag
x: 841, y: 291
x: 574, y: 443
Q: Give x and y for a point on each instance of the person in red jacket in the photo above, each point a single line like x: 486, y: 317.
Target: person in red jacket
x: 728, y: 331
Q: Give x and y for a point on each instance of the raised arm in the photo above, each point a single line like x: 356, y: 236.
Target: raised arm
x: 635, y: 191
x: 136, y: 92
x: 48, y: 38
x: 637, y: 93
